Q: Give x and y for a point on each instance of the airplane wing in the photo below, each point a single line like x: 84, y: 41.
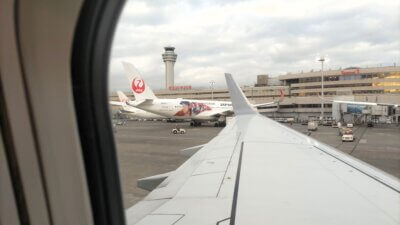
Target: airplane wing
x: 124, y: 107
x: 116, y: 103
x: 123, y: 99
x: 137, y: 103
x: 257, y: 171
x: 218, y: 112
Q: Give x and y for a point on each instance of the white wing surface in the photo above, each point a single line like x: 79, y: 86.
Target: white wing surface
x: 116, y: 103
x: 257, y: 171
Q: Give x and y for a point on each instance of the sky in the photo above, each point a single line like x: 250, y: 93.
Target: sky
x: 247, y: 38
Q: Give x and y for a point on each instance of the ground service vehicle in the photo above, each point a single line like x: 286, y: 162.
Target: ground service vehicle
x: 178, y: 131
x: 344, y: 130
x: 348, y: 136
x: 289, y: 120
x: 312, y: 125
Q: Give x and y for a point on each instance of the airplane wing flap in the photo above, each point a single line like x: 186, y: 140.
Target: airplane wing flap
x: 216, y: 165
x: 197, y: 202
x: 180, y: 176
x: 150, y: 183
x: 191, y: 150
x: 197, y: 211
x: 142, y: 209
x: 206, y: 177
x: 201, y: 186
x: 198, y: 182
x: 220, y: 152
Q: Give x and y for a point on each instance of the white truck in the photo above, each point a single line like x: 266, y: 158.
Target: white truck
x: 346, y: 133
x: 312, y: 125
x: 347, y: 137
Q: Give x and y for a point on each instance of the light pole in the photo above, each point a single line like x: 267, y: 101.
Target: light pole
x: 322, y: 60
x: 212, y: 89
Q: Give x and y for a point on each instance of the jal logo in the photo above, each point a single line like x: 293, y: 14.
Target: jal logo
x: 138, y: 85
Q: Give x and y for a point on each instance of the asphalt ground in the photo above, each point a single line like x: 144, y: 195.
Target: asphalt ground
x: 147, y: 148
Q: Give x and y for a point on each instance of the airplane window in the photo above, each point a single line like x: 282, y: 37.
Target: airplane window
x: 301, y: 65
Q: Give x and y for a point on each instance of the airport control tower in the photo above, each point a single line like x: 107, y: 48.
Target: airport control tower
x: 169, y: 58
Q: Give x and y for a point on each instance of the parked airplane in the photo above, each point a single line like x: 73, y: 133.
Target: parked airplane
x: 257, y: 171
x: 196, y: 110
x: 137, y: 113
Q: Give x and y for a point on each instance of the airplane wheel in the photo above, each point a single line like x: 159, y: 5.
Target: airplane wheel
x: 196, y: 124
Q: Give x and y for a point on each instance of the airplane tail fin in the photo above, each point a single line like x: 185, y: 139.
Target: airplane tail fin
x: 240, y: 103
x: 140, y: 89
x: 122, y: 97
x: 124, y: 100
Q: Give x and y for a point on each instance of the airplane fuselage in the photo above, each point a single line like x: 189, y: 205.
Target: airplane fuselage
x: 139, y: 113
x: 201, y: 110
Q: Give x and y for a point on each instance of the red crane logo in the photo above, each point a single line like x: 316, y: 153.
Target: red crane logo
x: 138, y: 85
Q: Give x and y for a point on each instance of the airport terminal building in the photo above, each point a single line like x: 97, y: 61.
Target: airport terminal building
x: 379, y: 84
x: 302, y: 90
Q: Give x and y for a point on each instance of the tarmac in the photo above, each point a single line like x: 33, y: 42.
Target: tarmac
x: 147, y: 148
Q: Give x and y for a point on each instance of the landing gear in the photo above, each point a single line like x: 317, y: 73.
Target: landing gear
x: 195, y: 124
x: 219, y: 124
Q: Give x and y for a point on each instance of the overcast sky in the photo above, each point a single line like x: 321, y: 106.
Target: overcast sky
x: 247, y: 38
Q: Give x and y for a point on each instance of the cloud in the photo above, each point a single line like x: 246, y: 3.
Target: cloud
x: 247, y: 38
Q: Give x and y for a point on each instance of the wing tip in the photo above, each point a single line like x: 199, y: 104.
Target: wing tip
x: 240, y: 103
